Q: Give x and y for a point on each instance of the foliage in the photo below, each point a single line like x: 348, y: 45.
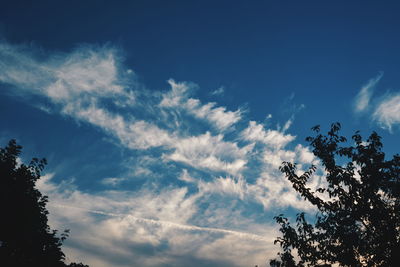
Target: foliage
x: 25, y: 236
x: 358, y: 220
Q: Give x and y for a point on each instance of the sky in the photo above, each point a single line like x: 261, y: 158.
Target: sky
x: 164, y: 123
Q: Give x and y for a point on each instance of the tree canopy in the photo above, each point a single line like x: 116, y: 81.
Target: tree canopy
x: 25, y: 236
x: 358, y: 218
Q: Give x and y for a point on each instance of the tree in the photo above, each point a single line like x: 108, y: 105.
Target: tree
x: 358, y: 220
x: 25, y: 236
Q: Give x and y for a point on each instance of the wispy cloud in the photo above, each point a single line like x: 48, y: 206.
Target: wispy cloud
x: 226, y: 185
x: 255, y: 132
x: 210, y: 152
x: 362, y: 100
x: 211, y: 164
x: 178, y: 98
x: 218, y: 92
x: 113, y: 181
x: 384, y: 110
x: 126, y: 222
x: 169, y: 224
x: 387, y: 112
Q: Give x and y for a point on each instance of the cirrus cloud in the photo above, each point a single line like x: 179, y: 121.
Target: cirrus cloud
x: 205, y: 171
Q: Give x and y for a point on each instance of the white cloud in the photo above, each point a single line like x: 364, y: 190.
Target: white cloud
x: 178, y: 93
x: 113, y: 181
x: 86, y: 72
x: 219, y: 116
x: 387, y: 112
x: 123, y: 229
x: 225, y: 185
x: 219, y: 91
x: 273, y: 138
x: 305, y: 156
x: 178, y: 97
x: 210, y: 152
x: 361, y: 101
x: 20, y: 68
x: 137, y: 134
x: 185, y: 176
x: 276, y: 157
x: 274, y: 190
x: 172, y: 218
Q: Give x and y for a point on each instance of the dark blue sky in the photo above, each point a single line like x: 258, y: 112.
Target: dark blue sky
x: 326, y: 50
x: 84, y: 83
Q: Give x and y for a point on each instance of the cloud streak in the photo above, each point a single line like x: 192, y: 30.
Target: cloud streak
x: 362, y: 100
x: 218, y: 92
x: 171, y: 224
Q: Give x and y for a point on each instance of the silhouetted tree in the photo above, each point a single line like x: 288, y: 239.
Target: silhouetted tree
x: 25, y: 236
x: 358, y: 223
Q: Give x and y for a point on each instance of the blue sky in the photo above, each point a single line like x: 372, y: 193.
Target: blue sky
x: 165, y: 122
